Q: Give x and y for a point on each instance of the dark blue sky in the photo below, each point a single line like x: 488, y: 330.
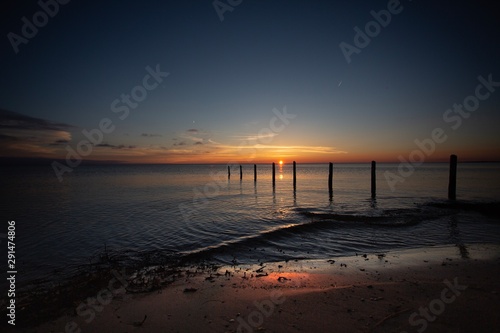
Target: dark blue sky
x: 226, y: 77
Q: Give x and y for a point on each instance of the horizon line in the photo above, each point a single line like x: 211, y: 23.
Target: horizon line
x: 6, y: 161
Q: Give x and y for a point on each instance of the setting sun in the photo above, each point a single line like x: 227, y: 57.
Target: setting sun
x: 281, y: 162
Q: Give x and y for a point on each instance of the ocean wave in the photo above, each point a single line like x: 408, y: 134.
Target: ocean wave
x: 312, y: 222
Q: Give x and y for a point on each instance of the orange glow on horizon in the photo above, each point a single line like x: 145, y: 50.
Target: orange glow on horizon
x: 257, y: 154
x: 385, y: 157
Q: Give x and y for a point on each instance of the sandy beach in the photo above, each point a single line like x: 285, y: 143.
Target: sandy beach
x: 435, y: 289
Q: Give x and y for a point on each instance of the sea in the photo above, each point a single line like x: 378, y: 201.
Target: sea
x: 147, y: 214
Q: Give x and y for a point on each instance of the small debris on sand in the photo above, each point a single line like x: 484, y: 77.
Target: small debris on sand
x: 139, y: 323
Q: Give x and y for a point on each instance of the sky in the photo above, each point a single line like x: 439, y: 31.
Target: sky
x: 249, y: 81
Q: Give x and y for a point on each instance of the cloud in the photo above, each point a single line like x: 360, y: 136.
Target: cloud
x: 296, y: 149
x: 182, y: 143
x: 125, y: 147
x: 60, y: 142
x: 107, y: 145
x: 194, y: 136
x: 255, y: 137
x: 260, y: 151
x: 213, y: 142
x: 7, y: 138
x: 26, y: 136
x: 13, y: 120
x: 148, y: 135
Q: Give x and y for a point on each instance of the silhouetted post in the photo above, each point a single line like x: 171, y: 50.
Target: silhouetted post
x: 374, y: 179
x: 330, y: 178
x: 274, y: 174
x: 241, y: 172
x: 255, y: 172
x: 452, y: 185
x: 294, y: 175
x: 228, y: 172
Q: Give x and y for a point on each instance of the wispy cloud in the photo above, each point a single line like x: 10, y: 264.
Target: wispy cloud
x: 27, y: 136
x: 107, y: 145
x: 255, y: 137
x: 194, y: 136
x: 125, y: 147
x: 149, y: 135
x: 60, y: 142
x: 203, y: 152
x: 283, y: 149
x: 17, y: 121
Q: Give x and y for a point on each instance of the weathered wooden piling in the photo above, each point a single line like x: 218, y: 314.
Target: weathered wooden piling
x: 452, y: 185
x: 374, y: 179
x: 294, y: 175
x: 330, y: 178
x: 274, y: 174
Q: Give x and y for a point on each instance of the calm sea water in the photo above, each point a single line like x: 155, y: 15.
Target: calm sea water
x: 193, y: 212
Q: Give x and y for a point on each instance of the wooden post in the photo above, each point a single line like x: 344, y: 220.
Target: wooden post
x: 374, y: 179
x: 274, y: 174
x: 255, y: 172
x: 294, y: 175
x: 228, y: 172
x: 452, y: 185
x: 330, y: 178
x: 241, y: 172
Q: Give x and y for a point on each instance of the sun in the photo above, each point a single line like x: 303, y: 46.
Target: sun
x: 281, y: 162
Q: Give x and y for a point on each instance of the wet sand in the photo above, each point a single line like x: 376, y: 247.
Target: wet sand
x: 435, y: 289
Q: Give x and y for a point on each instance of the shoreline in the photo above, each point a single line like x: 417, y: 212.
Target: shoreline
x: 364, y: 293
